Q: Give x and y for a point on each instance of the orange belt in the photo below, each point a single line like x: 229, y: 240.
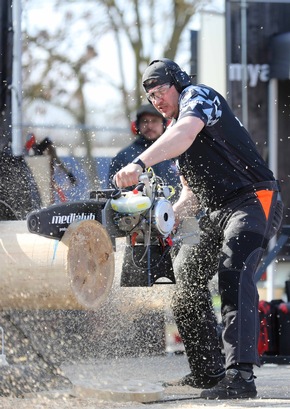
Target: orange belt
x: 265, y: 198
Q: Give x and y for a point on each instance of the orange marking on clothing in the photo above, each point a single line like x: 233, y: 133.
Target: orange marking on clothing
x: 265, y: 198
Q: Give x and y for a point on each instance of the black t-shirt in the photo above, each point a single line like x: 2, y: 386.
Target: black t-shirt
x: 223, y: 160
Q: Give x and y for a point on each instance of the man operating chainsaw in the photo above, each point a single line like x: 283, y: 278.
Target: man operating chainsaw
x: 223, y: 174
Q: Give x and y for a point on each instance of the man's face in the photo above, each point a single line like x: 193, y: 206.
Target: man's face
x: 165, y: 99
x: 151, y: 126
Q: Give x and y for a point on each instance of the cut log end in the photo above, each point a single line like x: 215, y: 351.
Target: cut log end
x: 90, y: 262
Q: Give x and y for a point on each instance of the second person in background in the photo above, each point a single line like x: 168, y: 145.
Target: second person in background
x: 148, y: 126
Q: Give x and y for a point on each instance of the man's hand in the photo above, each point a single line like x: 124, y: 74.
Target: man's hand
x: 129, y: 175
x: 177, y: 219
x: 186, y: 206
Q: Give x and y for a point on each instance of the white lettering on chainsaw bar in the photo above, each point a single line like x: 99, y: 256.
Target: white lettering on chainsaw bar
x: 69, y: 218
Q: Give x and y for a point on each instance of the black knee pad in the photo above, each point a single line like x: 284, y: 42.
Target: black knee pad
x: 229, y: 283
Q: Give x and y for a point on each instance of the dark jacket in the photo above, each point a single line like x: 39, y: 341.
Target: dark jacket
x: 166, y: 170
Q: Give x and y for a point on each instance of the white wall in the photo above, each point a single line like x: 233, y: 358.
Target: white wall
x: 211, y: 58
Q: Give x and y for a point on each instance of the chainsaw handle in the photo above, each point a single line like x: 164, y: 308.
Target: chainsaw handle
x: 146, y: 176
x: 144, y: 179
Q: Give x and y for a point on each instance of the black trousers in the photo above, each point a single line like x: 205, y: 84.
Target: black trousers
x: 232, y: 242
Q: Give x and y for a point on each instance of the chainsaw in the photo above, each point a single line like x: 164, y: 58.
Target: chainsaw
x: 144, y: 216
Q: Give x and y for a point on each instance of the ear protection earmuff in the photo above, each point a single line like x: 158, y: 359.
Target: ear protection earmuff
x: 134, y: 128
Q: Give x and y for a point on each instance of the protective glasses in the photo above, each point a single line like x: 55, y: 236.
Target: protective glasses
x: 153, y: 121
x: 158, y: 93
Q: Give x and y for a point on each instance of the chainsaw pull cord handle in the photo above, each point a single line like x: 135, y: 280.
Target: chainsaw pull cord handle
x: 144, y: 179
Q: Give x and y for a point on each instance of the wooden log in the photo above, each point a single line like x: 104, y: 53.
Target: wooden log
x: 33, y: 269
x: 90, y: 262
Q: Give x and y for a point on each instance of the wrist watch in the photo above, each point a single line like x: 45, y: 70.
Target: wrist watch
x: 138, y: 161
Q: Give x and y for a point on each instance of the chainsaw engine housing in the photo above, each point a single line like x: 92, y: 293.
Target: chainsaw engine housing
x: 145, y: 217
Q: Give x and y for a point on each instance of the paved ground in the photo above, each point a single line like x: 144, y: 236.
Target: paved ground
x: 109, y: 381
x: 136, y: 383
x: 273, y: 382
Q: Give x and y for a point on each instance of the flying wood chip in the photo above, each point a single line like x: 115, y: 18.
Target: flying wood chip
x: 90, y: 262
